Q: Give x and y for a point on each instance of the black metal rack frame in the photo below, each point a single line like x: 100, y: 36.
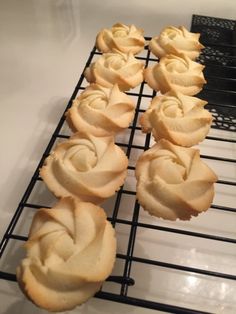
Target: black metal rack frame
x: 221, y: 104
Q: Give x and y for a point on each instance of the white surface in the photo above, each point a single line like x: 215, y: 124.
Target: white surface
x: 44, y: 46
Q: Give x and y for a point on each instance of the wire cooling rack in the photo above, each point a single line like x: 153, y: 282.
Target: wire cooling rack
x: 177, y: 267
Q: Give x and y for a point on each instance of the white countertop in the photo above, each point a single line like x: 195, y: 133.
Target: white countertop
x: 43, y: 48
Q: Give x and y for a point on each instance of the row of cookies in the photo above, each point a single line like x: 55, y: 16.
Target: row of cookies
x: 172, y: 180
x: 72, y: 247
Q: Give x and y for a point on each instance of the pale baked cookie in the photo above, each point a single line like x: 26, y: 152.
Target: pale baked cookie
x: 175, y: 72
x: 173, y: 40
x: 70, y: 252
x: 101, y: 111
x: 178, y: 118
x: 173, y: 182
x: 116, y: 68
x: 87, y: 167
x: 125, y: 38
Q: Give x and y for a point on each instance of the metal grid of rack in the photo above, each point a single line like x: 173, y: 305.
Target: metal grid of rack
x: 220, y: 92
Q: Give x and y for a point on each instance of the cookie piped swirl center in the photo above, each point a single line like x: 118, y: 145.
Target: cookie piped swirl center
x: 115, y: 62
x: 96, y: 100
x: 172, y: 107
x: 166, y: 166
x: 120, y: 32
x: 81, y: 157
x: 176, y: 66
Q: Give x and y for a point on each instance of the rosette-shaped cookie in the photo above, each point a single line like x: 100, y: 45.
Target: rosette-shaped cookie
x: 178, y: 118
x: 70, y: 252
x: 173, y: 40
x: 125, y: 38
x: 101, y: 111
x: 177, y: 73
x: 173, y: 182
x: 87, y: 167
x: 116, y: 68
